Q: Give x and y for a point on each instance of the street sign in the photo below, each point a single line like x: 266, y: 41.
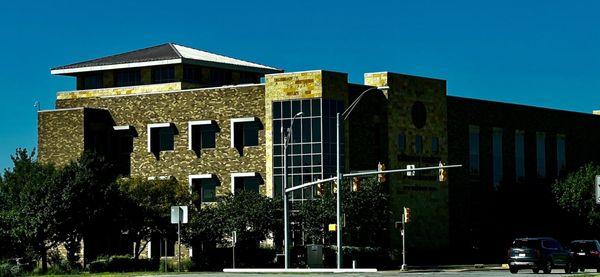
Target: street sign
x: 597, y: 186
x: 234, y: 238
x: 179, y: 214
x: 332, y: 227
x: 410, y: 173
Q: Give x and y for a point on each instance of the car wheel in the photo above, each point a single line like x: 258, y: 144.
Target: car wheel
x: 547, y: 267
x: 536, y: 270
x: 513, y: 270
x: 568, y: 268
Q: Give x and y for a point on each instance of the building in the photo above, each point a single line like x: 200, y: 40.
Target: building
x: 214, y: 124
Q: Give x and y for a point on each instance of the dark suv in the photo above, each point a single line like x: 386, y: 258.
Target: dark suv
x: 538, y: 254
x: 586, y: 254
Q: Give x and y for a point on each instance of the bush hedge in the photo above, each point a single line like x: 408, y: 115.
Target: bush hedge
x: 122, y: 264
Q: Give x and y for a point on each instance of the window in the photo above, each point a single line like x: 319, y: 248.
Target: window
x: 132, y: 77
x: 202, y: 135
x: 401, y: 143
x: 497, y: 156
x: 541, y: 154
x: 435, y: 146
x: 123, y: 139
x: 561, y: 159
x: 161, y: 137
x: 92, y: 81
x: 203, y: 188
x: 519, y: 155
x: 245, y: 182
x: 192, y: 74
x: 163, y: 74
x: 244, y: 132
x: 418, y: 144
x: 474, y: 150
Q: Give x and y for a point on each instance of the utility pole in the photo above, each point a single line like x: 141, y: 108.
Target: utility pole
x: 403, y: 242
x: 179, y: 239
x: 338, y: 193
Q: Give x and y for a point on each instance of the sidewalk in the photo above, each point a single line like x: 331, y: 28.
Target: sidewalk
x: 453, y: 268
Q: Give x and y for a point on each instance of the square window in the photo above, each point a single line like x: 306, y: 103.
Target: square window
x: 202, y: 135
x: 244, y: 132
x: 246, y: 183
x: 161, y: 137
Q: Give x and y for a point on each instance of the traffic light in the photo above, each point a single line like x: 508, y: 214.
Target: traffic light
x: 443, y: 174
x: 381, y: 177
x: 356, y: 182
x: 406, y: 215
x: 320, y: 189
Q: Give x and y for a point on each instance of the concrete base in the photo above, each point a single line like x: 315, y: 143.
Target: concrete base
x: 299, y: 270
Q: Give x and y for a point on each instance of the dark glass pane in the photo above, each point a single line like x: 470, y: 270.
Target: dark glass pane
x: 306, y: 159
x: 296, y: 130
x: 277, y: 132
x: 277, y: 161
x: 316, y: 107
x: 296, y: 148
x: 295, y: 107
x: 250, y: 134
x: 208, y: 137
x: 316, y: 129
x: 316, y: 147
x: 278, y: 171
x: 166, y: 139
x: 286, y: 111
x: 209, y: 190
x: 435, y: 145
x: 418, y: 144
x: 306, y: 108
x: 276, y: 109
x: 401, y: 143
x: 251, y: 184
x: 316, y: 159
x: 316, y: 169
x: 296, y: 160
x: 278, y: 150
x: 306, y: 148
x: 306, y: 132
x: 278, y: 186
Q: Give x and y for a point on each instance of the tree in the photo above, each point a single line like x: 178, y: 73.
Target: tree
x: 575, y: 195
x: 368, y: 214
x: 147, y: 206
x: 28, y: 199
x: 91, y: 207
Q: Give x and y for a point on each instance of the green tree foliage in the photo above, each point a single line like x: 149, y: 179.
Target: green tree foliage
x: 575, y: 195
x: 28, y: 197
x: 147, y: 208
x: 368, y: 214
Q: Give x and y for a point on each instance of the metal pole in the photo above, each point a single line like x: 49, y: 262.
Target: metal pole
x: 285, y: 204
x: 233, y: 249
x: 339, y: 193
x: 179, y: 243
x: 403, y: 240
x: 165, y: 247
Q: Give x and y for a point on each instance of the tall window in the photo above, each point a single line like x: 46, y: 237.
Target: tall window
x: 311, y: 152
x: 418, y: 144
x: 474, y: 150
x: 497, y: 156
x: 163, y: 74
x: 435, y: 145
x: 128, y: 77
x: 401, y: 143
x: 561, y: 159
x: 519, y: 155
x: 541, y: 154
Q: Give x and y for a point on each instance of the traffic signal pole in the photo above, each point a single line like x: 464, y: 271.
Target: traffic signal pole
x: 403, y: 239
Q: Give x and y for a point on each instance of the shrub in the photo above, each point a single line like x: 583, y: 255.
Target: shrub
x: 8, y: 269
x: 122, y: 264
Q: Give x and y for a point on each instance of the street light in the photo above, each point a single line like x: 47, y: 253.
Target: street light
x: 286, y: 139
x: 339, y: 175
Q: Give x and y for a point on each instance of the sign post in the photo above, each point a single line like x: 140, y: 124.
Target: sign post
x: 597, y: 186
x: 179, y: 215
x: 234, y: 240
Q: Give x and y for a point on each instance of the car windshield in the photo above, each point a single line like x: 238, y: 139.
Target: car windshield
x: 583, y: 246
x: 523, y: 243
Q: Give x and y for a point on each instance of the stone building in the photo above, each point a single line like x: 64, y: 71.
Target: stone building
x: 214, y: 124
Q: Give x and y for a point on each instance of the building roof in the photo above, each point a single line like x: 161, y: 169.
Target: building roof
x: 168, y: 53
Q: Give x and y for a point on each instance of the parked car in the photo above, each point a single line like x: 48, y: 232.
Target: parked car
x: 538, y: 254
x: 586, y: 254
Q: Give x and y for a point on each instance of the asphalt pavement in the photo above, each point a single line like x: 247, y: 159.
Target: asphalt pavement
x: 446, y: 273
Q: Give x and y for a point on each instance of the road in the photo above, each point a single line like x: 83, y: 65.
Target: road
x: 490, y: 273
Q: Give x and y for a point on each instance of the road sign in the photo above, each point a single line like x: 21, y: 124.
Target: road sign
x: 410, y: 173
x: 332, y: 227
x: 597, y: 186
x: 179, y: 214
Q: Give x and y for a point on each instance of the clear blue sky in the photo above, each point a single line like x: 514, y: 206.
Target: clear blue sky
x: 543, y: 53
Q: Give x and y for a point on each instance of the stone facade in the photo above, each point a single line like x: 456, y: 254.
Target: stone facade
x: 179, y: 108
x: 60, y: 135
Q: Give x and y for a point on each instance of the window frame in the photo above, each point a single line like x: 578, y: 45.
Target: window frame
x: 243, y: 120
x: 203, y: 123
x: 158, y: 126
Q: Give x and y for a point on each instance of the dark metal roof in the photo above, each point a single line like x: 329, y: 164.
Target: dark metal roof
x: 155, y: 53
